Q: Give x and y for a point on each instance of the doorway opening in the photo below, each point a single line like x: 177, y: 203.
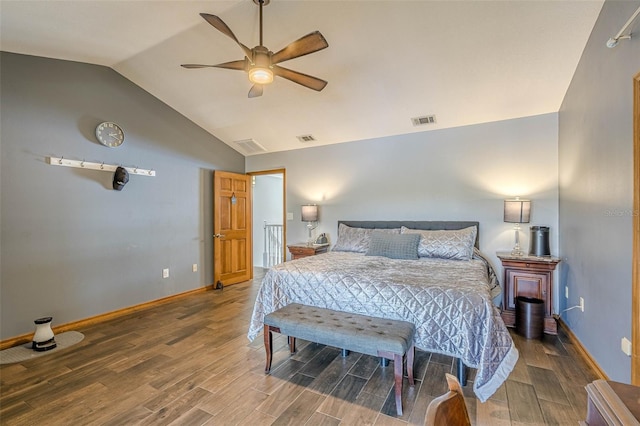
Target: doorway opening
x: 269, y: 218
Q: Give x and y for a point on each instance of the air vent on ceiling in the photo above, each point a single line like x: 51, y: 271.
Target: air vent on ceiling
x: 425, y: 119
x: 249, y: 146
x: 306, y: 138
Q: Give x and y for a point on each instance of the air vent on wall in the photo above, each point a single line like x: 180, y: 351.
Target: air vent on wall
x: 425, y: 119
x: 249, y: 146
x: 306, y: 138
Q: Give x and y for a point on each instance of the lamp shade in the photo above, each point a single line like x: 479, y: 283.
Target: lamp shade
x: 310, y: 213
x: 517, y: 211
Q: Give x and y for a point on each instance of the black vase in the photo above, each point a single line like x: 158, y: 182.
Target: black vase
x: 539, y: 241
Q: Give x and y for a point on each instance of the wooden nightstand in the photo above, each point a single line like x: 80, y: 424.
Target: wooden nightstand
x: 529, y: 276
x: 300, y: 250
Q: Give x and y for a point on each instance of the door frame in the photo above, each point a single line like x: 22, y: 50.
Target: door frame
x: 635, y: 269
x: 284, y: 202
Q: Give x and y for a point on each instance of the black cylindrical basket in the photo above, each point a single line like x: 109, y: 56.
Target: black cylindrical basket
x: 539, y: 241
x: 529, y: 317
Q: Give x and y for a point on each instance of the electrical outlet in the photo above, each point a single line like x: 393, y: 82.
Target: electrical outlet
x: 194, y: 268
x: 566, y: 291
x: 582, y: 304
x: 625, y: 345
x: 165, y: 273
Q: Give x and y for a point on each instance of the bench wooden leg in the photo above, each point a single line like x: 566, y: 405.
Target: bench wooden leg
x: 268, y: 342
x: 397, y: 371
x: 410, y: 354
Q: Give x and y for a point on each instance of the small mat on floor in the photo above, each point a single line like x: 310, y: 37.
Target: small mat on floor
x: 25, y: 353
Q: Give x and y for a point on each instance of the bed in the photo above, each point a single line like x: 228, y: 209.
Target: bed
x: 428, y: 273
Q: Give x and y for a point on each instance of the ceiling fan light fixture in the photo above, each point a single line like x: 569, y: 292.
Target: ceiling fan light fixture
x: 259, y: 75
x: 261, y: 64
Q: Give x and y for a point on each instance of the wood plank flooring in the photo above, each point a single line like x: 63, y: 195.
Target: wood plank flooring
x: 188, y: 362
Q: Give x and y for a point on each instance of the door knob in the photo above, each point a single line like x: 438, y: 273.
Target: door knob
x: 218, y: 235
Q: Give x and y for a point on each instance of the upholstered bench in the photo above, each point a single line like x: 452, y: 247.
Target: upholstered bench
x: 390, y: 339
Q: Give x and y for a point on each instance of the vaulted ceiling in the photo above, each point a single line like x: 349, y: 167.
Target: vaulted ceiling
x: 466, y: 62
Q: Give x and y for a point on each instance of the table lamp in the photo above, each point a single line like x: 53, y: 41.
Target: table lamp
x: 310, y: 215
x: 517, y: 211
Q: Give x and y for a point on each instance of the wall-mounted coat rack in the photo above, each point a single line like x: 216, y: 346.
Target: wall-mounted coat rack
x: 81, y: 164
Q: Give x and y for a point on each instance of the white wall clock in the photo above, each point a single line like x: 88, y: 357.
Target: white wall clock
x: 110, y: 134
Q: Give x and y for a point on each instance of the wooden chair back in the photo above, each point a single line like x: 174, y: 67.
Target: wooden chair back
x: 448, y: 409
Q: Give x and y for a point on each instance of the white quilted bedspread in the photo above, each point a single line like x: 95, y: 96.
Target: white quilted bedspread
x: 449, y: 301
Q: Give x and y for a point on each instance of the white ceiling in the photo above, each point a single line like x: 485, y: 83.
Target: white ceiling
x: 467, y: 62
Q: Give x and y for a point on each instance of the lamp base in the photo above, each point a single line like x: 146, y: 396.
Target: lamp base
x: 311, y: 227
x: 517, y: 252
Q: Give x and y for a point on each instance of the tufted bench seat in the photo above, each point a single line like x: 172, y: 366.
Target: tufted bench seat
x: 390, y: 339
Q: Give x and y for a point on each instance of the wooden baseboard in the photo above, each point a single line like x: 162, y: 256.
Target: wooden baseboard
x: 26, y: 338
x: 584, y: 354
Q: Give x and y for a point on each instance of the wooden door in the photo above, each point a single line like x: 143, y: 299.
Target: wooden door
x: 233, y: 261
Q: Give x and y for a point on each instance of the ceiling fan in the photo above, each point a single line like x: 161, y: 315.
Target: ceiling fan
x: 261, y: 64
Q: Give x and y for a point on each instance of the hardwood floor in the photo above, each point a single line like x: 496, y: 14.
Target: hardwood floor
x: 188, y: 362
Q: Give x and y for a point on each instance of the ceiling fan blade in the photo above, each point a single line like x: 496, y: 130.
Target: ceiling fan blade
x: 310, y: 43
x: 255, y: 91
x: 300, y: 78
x: 240, y: 65
x: 193, y: 66
x: 219, y: 25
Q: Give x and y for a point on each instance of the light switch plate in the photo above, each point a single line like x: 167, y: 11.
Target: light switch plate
x: 625, y: 345
x: 289, y: 216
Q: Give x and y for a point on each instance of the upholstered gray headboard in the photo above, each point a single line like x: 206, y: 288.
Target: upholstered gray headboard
x: 429, y: 225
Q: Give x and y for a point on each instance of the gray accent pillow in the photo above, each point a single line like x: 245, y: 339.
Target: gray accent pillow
x: 446, y: 244
x: 357, y: 239
x: 394, y: 246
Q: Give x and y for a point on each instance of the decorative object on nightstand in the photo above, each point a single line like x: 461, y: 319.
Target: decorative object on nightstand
x: 322, y: 240
x: 310, y: 215
x: 300, y: 250
x: 539, y: 241
x: 530, y: 277
x: 517, y: 211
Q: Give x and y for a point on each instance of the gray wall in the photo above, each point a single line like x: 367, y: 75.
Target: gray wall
x: 71, y: 246
x: 462, y: 173
x: 596, y: 190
